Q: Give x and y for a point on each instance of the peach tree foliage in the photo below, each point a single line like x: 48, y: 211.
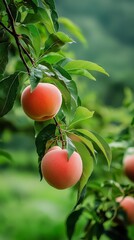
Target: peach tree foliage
x: 29, y: 32
x: 30, y: 29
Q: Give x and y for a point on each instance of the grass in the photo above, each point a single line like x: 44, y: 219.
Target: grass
x: 31, y: 209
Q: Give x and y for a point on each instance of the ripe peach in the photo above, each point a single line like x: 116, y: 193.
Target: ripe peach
x: 127, y: 204
x: 128, y: 165
x: 59, y: 171
x: 43, y: 103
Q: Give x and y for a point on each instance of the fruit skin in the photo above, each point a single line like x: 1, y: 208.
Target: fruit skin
x: 127, y: 204
x: 59, y: 171
x: 128, y: 164
x: 43, y: 102
x: 53, y: 148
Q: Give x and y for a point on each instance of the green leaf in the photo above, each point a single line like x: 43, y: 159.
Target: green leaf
x: 54, y: 14
x: 29, y: 4
x: 35, y: 76
x: 31, y: 18
x: 8, y: 92
x: 3, y: 56
x: 44, y: 135
x: 50, y: 3
x: 38, y: 74
x: 38, y: 126
x: 99, y: 141
x: 81, y: 64
x: 26, y: 37
x: 51, y: 58
x: 87, y: 160
x: 71, y: 222
x: 80, y: 115
x: 5, y: 155
x: 41, y: 15
x: 55, y: 41
x: 73, y: 28
x: 65, y: 92
x: 71, y: 86
x: 35, y: 38
x: 82, y: 72
x: 64, y: 38
x: 85, y: 141
x: 70, y: 147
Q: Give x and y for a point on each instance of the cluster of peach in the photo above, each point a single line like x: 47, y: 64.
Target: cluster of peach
x: 41, y: 104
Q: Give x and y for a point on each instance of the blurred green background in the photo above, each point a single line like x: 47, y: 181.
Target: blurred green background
x: 108, y: 28
x: 30, y: 209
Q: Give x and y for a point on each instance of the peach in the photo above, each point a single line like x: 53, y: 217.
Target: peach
x: 43, y: 103
x: 127, y: 204
x: 128, y: 164
x: 59, y: 171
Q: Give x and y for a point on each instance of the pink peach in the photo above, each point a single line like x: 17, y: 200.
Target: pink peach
x: 59, y: 171
x: 43, y: 102
x: 127, y: 204
x: 128, y: 164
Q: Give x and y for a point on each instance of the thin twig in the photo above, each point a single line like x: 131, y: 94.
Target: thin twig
x: 15, y: 34
x: 8, y: 30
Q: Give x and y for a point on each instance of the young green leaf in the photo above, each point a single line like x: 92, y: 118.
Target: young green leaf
x: 8, y: 92
x: 87, y: 160
x: 80, y: 115
x: 99, y: 141
x: 81, y: 64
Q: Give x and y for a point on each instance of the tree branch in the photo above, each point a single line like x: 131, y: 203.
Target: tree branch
x: 8, y: 30
x: 13, y: 32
